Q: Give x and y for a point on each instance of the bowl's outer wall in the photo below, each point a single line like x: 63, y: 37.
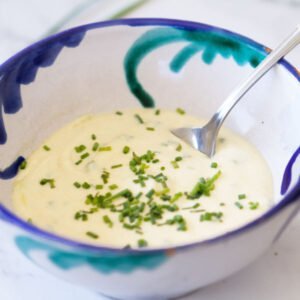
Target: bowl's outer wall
x: 88, y: 71
x: 160, y: 275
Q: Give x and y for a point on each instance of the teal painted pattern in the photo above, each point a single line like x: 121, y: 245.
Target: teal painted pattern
x: 210, y: 43
x: 107, y: 263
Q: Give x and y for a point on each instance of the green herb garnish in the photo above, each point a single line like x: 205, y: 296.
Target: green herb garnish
x: 23, y: 165
x: 107, y: 148
x: 180, y: 111
x: 81, y: 215
x: 214, y: 165
x: 150, y: 128
x: 211, y: 216
x: 49, y: 181
x: 204, y: 187
x: 179, y: 148
x: 80, y: 148
x: 108, y: 221
x: 93, y: 137
x: 193, y: 207
x: 142, y: 243
x: 113, y: 187
x: 95, y: 146
x: 117, y: 166
x: 179, y: 221
x: 92, y: 235
x: 239, y: 205
x: 126, y: 149
x: 119, y: 113
x: 253, y: 205
x: 77, y: 184
x: 138, y: 117
x: 105, y: 176
x: 46, y: 148
x: 242, y: 196
x: 86, y: 185
x: 85, y: 155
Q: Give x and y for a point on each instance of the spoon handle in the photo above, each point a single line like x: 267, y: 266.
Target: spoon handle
x: 285, y: 47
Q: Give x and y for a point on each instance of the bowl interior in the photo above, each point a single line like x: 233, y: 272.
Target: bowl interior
x: 99, y: 68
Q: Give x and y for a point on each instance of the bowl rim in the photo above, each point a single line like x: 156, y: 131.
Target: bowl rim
x: 287, y: 199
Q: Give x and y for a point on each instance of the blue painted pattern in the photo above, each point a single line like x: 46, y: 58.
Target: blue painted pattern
x: 211, y: 43
x: 24, y: 71
x: 105, y: 263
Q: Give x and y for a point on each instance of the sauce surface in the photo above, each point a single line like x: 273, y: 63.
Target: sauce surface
x: 124, y: 180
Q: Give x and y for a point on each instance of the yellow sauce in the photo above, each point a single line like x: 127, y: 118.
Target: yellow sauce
x: 52, y: 190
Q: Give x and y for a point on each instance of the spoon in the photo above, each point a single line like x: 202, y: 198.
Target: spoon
x: 204, y: 138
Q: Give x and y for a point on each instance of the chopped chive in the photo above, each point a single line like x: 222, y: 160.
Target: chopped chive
x: 77, y: 184
x: 95, y: 146
x: 86, y: 185
x: 204, y: 187
x: 78, y: 162
x: 99, y: 187
x: 222, y: 204
x: 253, y: 205
x: 193, y: 207
x: 142, y: 243
x: 105, y: 176
x: 46, y: 148
x: 126, y: 149
x: 178, y: 220
x: 107, y: 148
x: 179, y: 147
x: 108, y: 221
x: 180, y: 111
x: 150, y: 128
x: 176, y: 197
x: 93, y: 137
x: 49, y: 181
x: 214, y: 165
x: 138, y: 117
x: 157, y: 112
x: 23, y: 165
x: 85, y: 155
x: 239, y: 205
x: 117, y: 166
x: 150, y: 193
x: 92, y: 235
x: 211, y: 216
x: 242, y: 196
x: 174, y: 164
x: 119, y: 113
x: 178, y: 158
x: 113, y: 187
x: 81, y: 215
x: 80, y: 148
x: 162, y: 168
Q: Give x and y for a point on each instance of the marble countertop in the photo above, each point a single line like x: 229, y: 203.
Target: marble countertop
x: 275, y: 275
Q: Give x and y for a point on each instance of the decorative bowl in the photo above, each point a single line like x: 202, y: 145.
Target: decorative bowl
x: 150, y: 62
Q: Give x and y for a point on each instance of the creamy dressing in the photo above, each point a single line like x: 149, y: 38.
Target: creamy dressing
x: 94, y: 156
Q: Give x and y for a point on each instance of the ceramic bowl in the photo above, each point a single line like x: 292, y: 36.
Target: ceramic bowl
x: 150, y: 62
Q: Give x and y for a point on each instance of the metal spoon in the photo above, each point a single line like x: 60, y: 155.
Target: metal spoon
x: 204, y: 138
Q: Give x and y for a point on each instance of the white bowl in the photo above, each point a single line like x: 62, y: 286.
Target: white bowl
x: 125, y: 63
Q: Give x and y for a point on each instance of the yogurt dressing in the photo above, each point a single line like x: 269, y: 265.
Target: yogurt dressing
x: 124, y: 180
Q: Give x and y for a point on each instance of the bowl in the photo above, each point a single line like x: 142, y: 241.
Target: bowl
x: 148, y: 62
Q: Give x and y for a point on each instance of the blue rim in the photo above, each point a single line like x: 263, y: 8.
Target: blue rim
x: 287, y: 199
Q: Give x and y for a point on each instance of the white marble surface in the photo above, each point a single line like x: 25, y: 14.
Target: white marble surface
x: 276, y: 275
